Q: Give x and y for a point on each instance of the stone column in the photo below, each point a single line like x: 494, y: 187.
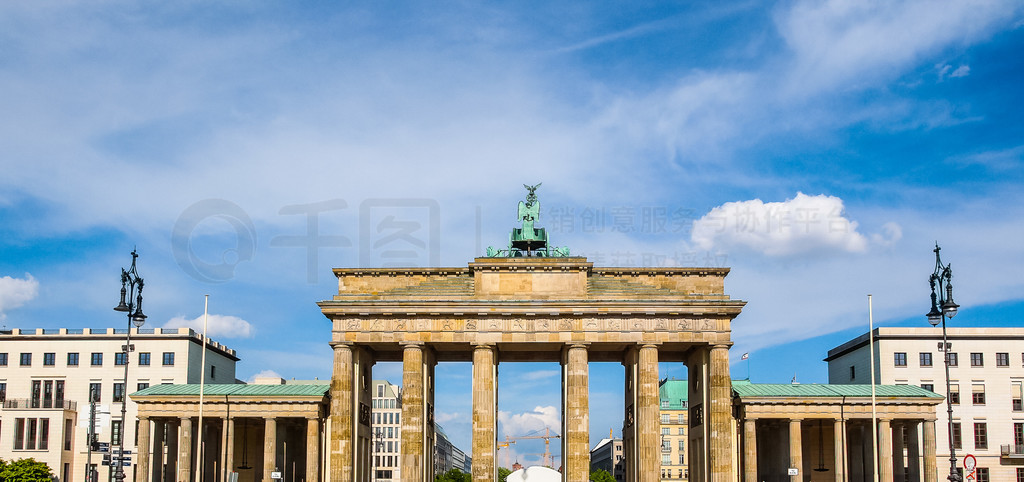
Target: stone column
x: 157, y: 474
x: 648, y: 415
x: 629, y: 449
x: 185, y: 449
x: 750, y: 450
x: 913, y: 450
x: 885, y: 451
x: 269, y: 447
x: 930, y: 470
x: 796, y: 450
x: 414, y: 455
x: 312, y: 449
x: 721, y: 415
x: 144, y: 449
x: 575, y: 414
x: 229, y: 447
x: 343, y: 417
x: 171, y: 470
x: 485, y: 404
x: 839, y: 442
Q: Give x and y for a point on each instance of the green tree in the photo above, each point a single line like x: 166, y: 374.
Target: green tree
x: 601, y: 475
x: 502, y: 473
x: 25, y: 470
x: 453, y: 475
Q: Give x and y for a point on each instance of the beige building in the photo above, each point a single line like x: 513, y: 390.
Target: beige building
x: 673, y: 394
x: 46, y: 377
x: 387, y: 430
x: 986, y: 375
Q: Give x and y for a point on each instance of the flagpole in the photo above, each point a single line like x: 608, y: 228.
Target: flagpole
x: 874, y: 417
x: 202, y: 382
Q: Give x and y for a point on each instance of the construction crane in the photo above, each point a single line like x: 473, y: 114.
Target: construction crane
x: 547, y: 442
x: 507, y: 454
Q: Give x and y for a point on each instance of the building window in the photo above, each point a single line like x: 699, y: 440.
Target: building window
x: 977, y: 360
x: 3, y: 392
x: 980, y: 435
x: 115, y: 432
x: 666, y: 445
x: 666, y: 459
x: 168, y: 358
x: 118, y: 392
x: 682, y: 431
x: 1020, y: 474
x: 664, y: 404
x: 682, y: 445
x: 978, y: 394
x: 926, y: 359
x: 44, y: 434
x: 1015, y: 397
x: 953, y: 360
x: 664, y: 430
x: 1002, y: 359
x: 213, y: 372
x: 144, y: 359
x: 121, y: 358
x: 3, y: 359
x: 853, y: 372
x: 72, y: 359
x: 899, y: 359
x: 1018, y: 437
x: 142, y: 386
x: 982, y: 473
x: 664, y: 418
x: 928, y: 386
x: 94, y: 390
x: 26, y: 359
x: 680, y: 418
x: 97, y: 359
x: 682, y: 461
x: 49, y: 359
x: 954, y: 394
x: 68, y: 433
x: 958, y: 442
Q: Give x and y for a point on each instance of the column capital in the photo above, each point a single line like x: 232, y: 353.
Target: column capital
x: 649, y: 344
x: 722, y: 345
x: 412, y: 344
x: 484, y: 345
x: 577, y: 344
x: 143, y: 417
x: 796, y: 420
x: 341, y: 344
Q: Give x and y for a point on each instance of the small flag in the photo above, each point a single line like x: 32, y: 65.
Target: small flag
x: 745, y: 356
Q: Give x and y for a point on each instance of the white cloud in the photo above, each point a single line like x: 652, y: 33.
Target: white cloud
x: 15, y: 292
x: 522, y: 423
x: 802, y: 225
x: 263, y: 374
x: 541, y: 374
x: 219, y: 325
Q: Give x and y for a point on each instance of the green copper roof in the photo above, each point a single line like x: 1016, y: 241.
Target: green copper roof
x: 827, y: 390
x: 213, y: 390
x: 675, y: 392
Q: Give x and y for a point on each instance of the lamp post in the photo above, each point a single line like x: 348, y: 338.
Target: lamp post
x: 943, y: 307
x: 131, y: 285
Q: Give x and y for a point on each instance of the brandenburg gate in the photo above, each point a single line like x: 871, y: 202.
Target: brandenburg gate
x: 532, y: 302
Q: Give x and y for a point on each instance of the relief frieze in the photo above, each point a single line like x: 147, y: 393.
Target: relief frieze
x: 527, y: 324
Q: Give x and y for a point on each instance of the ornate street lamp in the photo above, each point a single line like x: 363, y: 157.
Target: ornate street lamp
x: 131, y: 285
x: 943, y: 307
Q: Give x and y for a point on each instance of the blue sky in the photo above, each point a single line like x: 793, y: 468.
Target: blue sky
x: 819, y: 149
